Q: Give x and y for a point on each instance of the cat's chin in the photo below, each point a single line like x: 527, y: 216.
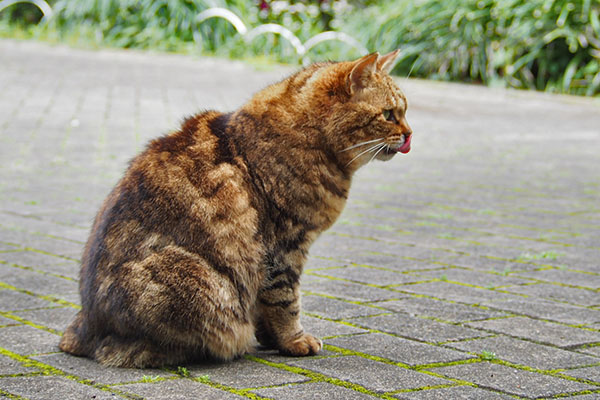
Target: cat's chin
x: 386, y: 155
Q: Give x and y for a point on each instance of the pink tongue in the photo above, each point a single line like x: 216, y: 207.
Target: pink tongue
x: 406, y: 146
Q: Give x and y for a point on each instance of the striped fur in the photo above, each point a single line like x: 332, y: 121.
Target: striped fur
x: 199, y: 248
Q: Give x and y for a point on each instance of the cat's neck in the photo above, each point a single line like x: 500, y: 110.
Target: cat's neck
x: 293, y: 169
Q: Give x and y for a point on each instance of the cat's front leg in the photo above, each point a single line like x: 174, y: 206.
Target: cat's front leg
x: 279, y: 314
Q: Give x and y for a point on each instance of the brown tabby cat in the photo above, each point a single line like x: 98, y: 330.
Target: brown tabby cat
x: 200, y: 247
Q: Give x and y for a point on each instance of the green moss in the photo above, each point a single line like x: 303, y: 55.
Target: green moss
x: 48, y: 370
x: 40, y: 296
x: 28, y: 322
x: 8, y: 395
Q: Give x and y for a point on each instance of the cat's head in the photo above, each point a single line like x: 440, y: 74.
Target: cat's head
x: 366, y: 114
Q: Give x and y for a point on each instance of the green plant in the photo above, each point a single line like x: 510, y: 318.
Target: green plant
x: 547, y: 255
x: 549, y: 45
x: 183, y: 371
x: 149, y: 379
x: 488, y: 355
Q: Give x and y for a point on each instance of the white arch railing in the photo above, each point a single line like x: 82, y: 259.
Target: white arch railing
x: 300, y: 48
x: 248, y: 35
x: 41, y: 4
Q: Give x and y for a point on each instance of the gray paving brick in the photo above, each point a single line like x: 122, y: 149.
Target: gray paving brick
x: 54, y: 318
x: 546, y: 309
x: 588, y: 373
x: 88, y: 369
x: 398, y: 349
x: 8, y: 366
x: 350, y: 291
x: 312, y: 391
x: 52, y: 388
x: 178, y: 389
x: 513, y: 381
x: 554, y: 292
x: 477, y: 278
x: 418, y: 328
x: 458, y: 293
x: 335, y: 309
x: 371, y: 276
x: 540, y: 331
x: 452, y: 312
x: 11, y: 300
x: 373, y: 375
x: 323, y: 328
x: 454, y: 393
x: 244, y: 374
x: 567, y: 277
x: 526, y: 353
x: 25, y: 340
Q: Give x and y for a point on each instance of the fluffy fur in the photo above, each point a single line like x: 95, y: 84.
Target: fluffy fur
x: 199, y: 248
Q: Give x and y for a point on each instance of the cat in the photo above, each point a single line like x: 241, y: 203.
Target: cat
x: 198, y: 250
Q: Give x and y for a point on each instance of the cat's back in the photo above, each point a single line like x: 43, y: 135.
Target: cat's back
x: 187, y: 189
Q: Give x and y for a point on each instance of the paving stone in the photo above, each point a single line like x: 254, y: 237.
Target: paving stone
x: 418, y: 328
x: 458, y: 293
x: 336, y: 309
x: 52, y: 388
x: 567, y: 277
x: 312, y: 391
x: 323, y: 328
x: 513, y: 381
x: 418, y: 306
x: 25, y: 340
x: 86, y: 368
x: 526, y: 353
x: 54, y: 318
x: 35, y: 282
x: 588, y: 373
x: 371, y: 276
x: 393, y: 262
x: 11, y: 300
x: 539, y: 331
x: 546, y: 309
x: 454, y: 393
x: 350, y: 291
x: 554, y: 292
x: 245, y: 374
x: 398, y: 349
x: 8, y: 366
x: 476, y: 278
x: 595, y: 351
x: 177, y: 389
x: 373, y: 375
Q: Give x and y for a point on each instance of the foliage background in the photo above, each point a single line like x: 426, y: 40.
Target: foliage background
x: 551, y: 45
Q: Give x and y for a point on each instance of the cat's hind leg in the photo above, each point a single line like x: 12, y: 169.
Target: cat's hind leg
x: 115, y: 351
x: 174, y: 305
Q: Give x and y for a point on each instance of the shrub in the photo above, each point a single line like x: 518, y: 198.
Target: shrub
x: 539, y: 44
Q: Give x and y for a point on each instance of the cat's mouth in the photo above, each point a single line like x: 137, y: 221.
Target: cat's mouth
x: 401, y: 147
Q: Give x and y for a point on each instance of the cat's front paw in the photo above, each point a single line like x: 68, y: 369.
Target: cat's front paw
x: 305, y: 345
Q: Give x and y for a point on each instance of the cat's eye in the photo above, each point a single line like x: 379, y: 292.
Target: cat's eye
x: 389, y: 115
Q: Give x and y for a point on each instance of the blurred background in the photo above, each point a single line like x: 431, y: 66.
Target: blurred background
x: 550, y: 45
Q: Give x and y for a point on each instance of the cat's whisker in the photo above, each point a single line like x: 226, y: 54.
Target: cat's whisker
x: 361, y: 144
x: 372, y: 148
x: 378, y: 151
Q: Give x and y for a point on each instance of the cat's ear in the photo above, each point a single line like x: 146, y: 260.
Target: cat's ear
x: 386, y: 63
x: 363, y: 70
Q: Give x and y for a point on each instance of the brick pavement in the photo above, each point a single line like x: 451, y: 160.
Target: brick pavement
x: 468, y: 269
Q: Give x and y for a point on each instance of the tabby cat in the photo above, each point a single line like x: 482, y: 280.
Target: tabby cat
x: 199, y: 248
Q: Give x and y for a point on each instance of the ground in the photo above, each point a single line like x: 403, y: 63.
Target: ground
x: 466, y: 269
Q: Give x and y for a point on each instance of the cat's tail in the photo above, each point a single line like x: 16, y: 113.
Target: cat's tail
x: 75, y: 339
